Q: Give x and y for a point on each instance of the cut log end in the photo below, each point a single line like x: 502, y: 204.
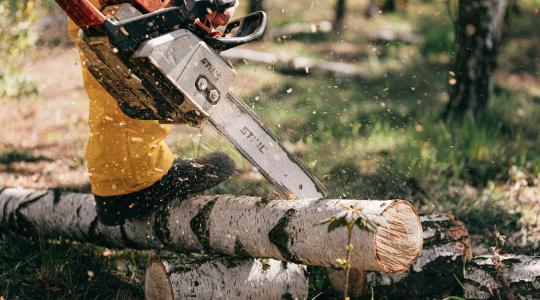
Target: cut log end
x: 399, y: 243
x: 157, y: 284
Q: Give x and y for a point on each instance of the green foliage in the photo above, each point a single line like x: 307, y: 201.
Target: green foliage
x: 18, y: 36
x: 438, y: 37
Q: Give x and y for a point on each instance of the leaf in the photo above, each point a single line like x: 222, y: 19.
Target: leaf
x: 342, y: 262
x: 325, y: 221
x: 336, y: 223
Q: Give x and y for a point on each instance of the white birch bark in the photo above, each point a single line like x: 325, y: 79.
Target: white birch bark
x: 237, y: 226
x: 224, y: 278
x: 503, y: 277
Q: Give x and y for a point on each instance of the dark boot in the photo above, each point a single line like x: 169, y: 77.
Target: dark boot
x: 185, y: 177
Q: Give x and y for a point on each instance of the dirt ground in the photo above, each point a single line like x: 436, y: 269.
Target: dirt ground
x: 45, y: 135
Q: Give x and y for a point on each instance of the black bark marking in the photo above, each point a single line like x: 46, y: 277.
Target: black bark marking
x: 2, y: 190
x: 57, y: 194
x: 18, y: 221
x: 287, y: 296
x: 231, y: 262
x: 239, y: 249
x: 189, y: 262
x: 29, y: 200
x: 200, y: 225
x: 161, y: 229
x: 5, y: 216
x: 126, y: 241
x: 263, y: 201
x: 280, y: 238
x: 95, y: 235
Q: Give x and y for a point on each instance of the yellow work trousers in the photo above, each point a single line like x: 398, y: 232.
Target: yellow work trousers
x: 123, y: 155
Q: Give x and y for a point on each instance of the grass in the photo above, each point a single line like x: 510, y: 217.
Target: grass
x: 372, y: 139
x: 59, y: 269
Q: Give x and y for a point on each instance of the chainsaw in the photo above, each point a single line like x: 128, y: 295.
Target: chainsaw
x: 161, y: 61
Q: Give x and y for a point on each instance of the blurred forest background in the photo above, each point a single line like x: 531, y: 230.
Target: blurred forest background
x: 404, y: 110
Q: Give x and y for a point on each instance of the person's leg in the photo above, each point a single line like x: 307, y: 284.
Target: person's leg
x: 185, y: 177
x: 132, y: 171
x: 124, y: 155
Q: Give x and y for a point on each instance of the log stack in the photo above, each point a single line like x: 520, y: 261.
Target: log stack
x: 253, y: 228
x: 247, y: 227
x: 437, y: 273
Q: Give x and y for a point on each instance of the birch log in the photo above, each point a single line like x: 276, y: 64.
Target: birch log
x: 446, y: 246
x: 503, y: 277
x: 236, y: 226
x: 224, y: 278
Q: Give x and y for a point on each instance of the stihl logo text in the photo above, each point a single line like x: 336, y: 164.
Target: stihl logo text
x: 252, y: 138
x: 211, y: 68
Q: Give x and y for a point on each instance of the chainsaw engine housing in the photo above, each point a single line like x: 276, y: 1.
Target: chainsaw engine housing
x: 145, y: 81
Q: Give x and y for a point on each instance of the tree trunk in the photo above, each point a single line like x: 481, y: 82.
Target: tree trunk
x: 224, y: 278
x: 446, y: 246
x: 372, y: 9
x: 477, y: 39
x: 237, y: 226
x: 339, y: 20
x: 256, y: 5
x: 503, y: 277
x: 389, y: 6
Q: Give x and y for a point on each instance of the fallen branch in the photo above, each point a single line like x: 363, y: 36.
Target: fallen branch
x: 382, y: 36
x: 435, y: 273
x: 386, y: 36
x: 224, y: 278
x: 236, y: 226
x: 293, y: 29
x: 503, y: 277
x: 298, y: 65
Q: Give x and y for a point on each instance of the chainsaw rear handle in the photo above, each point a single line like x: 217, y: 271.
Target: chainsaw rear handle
x: 85, y: 14
x: 240, y: 31
x: 82, y: 12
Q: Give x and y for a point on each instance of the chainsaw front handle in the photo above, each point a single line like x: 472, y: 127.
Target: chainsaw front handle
x: 240, y: 31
